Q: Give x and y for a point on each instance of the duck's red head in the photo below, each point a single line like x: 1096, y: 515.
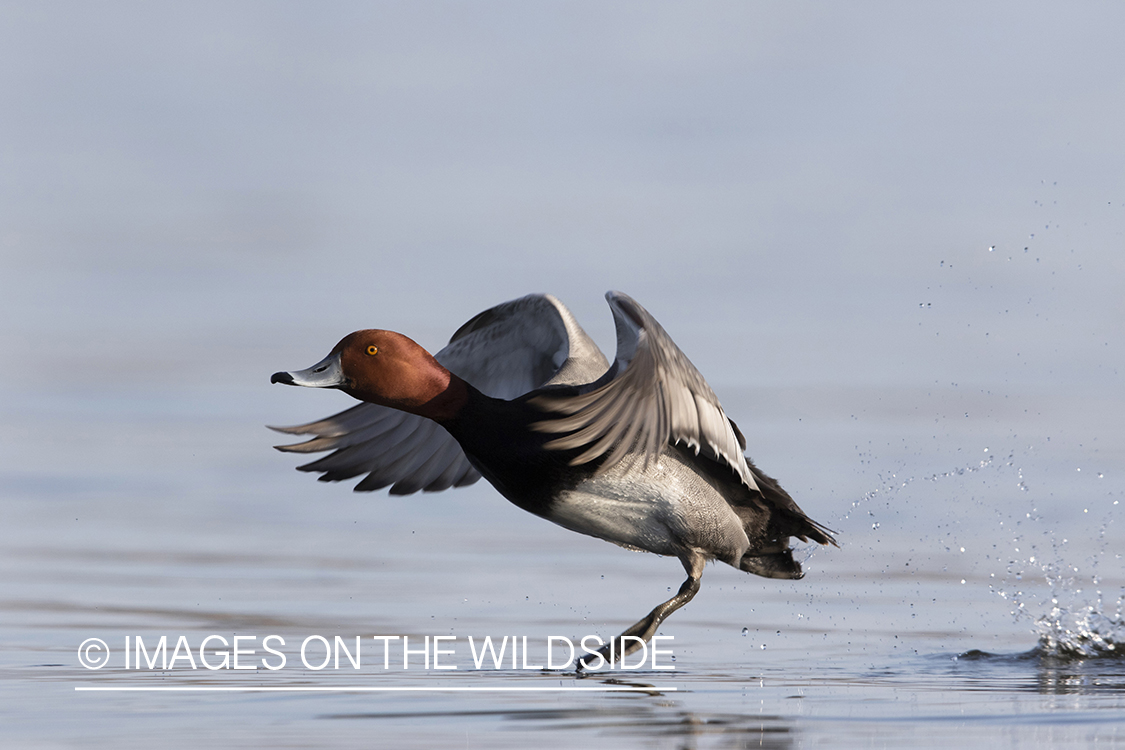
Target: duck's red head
x: 385, y: 368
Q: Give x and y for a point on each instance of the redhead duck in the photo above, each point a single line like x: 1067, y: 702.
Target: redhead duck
x: 639, y: 453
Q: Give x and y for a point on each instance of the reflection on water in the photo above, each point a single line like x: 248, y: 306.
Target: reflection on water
x: 643, y: 721
x: 1045, y: 670
x: 1080, y: 677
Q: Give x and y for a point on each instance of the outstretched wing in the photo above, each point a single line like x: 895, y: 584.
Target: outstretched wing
x: 654, y: 397
x: 408, y: 452
x: 503, y: 352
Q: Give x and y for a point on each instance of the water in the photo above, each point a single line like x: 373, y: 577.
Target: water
x: 960, y: 609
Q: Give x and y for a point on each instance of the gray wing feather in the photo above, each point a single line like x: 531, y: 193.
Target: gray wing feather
x: 656, y: 397
x: 503, y: 352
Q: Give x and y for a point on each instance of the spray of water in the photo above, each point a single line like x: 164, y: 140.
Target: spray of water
x: 1081, y: 620
x: 1075, y: 627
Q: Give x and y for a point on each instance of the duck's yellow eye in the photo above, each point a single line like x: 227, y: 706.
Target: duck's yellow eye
x: 372, y: 350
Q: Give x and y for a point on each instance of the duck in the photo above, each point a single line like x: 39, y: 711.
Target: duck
x: 639, y: 452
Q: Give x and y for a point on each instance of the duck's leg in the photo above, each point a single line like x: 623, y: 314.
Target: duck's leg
x: 645, y: 629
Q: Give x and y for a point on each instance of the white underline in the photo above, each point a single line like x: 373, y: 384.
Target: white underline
x: 357, y: 688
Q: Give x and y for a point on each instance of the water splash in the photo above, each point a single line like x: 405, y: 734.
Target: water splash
x: 1084, y: 633
x: 1080, y: 622
x: 1073, y: 628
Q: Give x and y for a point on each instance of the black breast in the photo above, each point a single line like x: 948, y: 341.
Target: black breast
x: 497, y: 437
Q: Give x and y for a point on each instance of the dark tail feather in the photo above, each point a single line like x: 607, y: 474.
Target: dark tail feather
x: 772, y: 565
x: 791, y: 520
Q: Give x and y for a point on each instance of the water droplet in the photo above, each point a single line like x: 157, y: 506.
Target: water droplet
x: 745, y: 631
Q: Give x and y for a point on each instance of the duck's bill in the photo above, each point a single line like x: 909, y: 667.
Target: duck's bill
x: 327, y: 373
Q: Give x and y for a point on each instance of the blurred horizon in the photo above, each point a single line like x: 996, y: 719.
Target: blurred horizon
x: 800, y: 194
